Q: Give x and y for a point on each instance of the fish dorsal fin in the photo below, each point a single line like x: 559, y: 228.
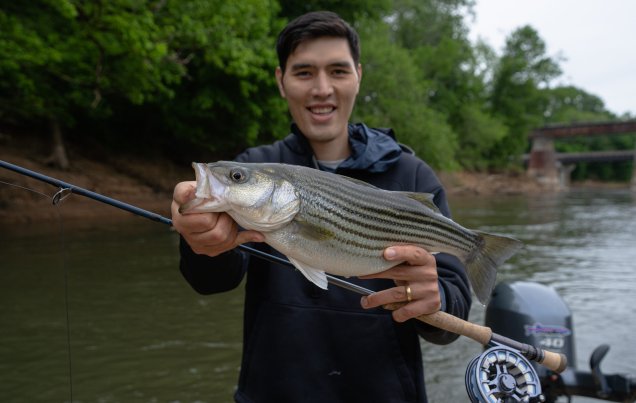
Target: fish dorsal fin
x: 424, y: 198
x: 316, y: 276
x: 357, y: 181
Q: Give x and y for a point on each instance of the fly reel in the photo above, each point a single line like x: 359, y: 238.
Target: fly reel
x: 502, y: 375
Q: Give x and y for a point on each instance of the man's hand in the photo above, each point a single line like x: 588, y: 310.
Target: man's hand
x: 418, y: 273
x: 207, y: 233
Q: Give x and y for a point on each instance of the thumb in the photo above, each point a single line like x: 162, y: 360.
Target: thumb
x: 184, y: 192
x: 249, y: 236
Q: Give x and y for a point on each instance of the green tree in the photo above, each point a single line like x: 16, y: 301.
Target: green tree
x: 349, y: 11
x: 517, y: 96
x: 60, y: 59
x: 200, y: 71
x: 569, y: 104
x: 228, y: 98
x: 436, y: 36
x: 393, y: 94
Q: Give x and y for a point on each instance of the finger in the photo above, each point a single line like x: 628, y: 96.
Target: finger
x: 403, y: 274
x: 419, y: 291
x: 388, y: 296
x: 413, y: 255
x: 415, y: 309
x: 214, y: 241
x: 425, y: 299
x: 249, y: 236
x: 184, y: 192
x: 223, y: 237
x: 211, y: 229
x: 192, y: 223
x: 202, y: 222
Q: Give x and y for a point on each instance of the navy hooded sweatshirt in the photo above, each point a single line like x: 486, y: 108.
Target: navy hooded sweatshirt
x: 305, y: 344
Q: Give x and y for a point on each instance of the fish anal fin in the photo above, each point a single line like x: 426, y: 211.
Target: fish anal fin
x: 316, y: 276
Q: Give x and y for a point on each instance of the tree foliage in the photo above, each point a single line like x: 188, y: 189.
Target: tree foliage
x: 517, y: 97
x: 140, y: 74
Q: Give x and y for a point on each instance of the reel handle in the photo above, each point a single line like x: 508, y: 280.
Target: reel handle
x: 484, y: 335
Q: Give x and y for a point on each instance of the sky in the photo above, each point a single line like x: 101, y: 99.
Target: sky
x: 596, y: 38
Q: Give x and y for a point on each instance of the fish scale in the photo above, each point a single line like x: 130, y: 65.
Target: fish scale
x: 362, y: 216
x: 327, y: 223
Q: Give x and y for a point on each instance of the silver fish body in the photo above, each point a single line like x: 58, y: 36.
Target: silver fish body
x: 330, y: 223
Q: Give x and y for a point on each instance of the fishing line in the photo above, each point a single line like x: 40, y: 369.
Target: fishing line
x: 26, y: 188
x: 56, y: 199
x: 484, y: 335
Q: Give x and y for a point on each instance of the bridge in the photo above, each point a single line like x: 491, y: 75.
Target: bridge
x: 552, y: 168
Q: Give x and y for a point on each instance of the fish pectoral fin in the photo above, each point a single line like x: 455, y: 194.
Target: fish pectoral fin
x: 316, y: 276
x: 313, y: 231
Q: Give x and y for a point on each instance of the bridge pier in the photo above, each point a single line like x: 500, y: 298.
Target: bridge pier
x: 554, y: 169
x: 543, y: 165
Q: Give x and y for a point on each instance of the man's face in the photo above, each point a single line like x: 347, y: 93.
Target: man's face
x: 320, y: 84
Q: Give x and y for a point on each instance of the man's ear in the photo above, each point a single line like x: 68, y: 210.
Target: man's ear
x: 359, y: 70
x: 279, y: 81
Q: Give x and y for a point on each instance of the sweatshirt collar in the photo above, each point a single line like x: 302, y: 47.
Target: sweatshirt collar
x: 372, y: 150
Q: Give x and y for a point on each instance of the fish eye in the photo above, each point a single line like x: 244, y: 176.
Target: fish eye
x: 238, y: 175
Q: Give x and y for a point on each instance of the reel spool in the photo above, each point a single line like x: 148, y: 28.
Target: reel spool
x: 502, y: 375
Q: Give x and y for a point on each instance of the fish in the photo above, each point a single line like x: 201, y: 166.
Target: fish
x: 329, y: 223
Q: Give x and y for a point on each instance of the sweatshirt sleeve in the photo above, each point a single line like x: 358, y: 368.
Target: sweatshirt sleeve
x: 456, y: 298
x: 210, y: 275
x: 453, y: 282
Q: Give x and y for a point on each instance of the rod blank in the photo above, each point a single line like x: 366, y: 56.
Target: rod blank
x: 481, y: 334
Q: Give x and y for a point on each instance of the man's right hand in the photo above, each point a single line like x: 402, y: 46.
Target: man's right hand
x: 207, y: 233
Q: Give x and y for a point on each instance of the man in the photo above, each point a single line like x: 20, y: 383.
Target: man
x: 301, y: 343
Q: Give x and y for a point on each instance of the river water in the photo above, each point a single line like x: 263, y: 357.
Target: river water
x: 98, y: 311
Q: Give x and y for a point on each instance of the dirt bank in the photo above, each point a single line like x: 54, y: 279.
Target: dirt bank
x: 147, y: 183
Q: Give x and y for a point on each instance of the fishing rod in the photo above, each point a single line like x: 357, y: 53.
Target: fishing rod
x: 481, y: 334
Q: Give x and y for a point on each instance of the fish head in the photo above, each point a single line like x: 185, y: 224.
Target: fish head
x: 255, y: 195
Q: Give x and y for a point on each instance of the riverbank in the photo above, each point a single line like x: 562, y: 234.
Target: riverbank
x: 148, y: 182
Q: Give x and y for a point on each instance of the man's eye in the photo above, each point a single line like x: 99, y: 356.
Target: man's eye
x: 340, y: 73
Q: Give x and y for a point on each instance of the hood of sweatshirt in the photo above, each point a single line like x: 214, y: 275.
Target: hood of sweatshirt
x: 372, y: 150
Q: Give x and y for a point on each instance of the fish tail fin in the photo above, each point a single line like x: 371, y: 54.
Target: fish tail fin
x: 481, y: 265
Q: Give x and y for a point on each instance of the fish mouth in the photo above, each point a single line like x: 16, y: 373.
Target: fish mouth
x: 207, y: 194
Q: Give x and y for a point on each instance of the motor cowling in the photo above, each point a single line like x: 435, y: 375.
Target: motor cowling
x: 534, y: 314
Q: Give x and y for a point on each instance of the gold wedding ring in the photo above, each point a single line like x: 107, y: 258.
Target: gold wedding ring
x: 409, y: 297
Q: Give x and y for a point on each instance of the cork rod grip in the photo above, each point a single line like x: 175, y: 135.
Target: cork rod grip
x: 484, y: 335
x: 448, y: 322
x: 555, y: 361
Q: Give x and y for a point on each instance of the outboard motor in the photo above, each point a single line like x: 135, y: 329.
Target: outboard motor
x: 535, y: 314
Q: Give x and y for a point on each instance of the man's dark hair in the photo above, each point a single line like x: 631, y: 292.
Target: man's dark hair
x: 314, y: 25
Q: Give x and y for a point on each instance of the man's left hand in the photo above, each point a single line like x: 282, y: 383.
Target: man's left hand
x: 418, y: 274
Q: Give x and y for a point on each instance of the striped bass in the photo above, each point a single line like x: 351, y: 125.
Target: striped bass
x: 325, y: 222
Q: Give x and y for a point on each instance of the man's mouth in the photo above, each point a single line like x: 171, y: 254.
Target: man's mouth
x: 322, y: 110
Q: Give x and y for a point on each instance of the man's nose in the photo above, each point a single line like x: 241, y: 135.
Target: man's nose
x: 322, y: 85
